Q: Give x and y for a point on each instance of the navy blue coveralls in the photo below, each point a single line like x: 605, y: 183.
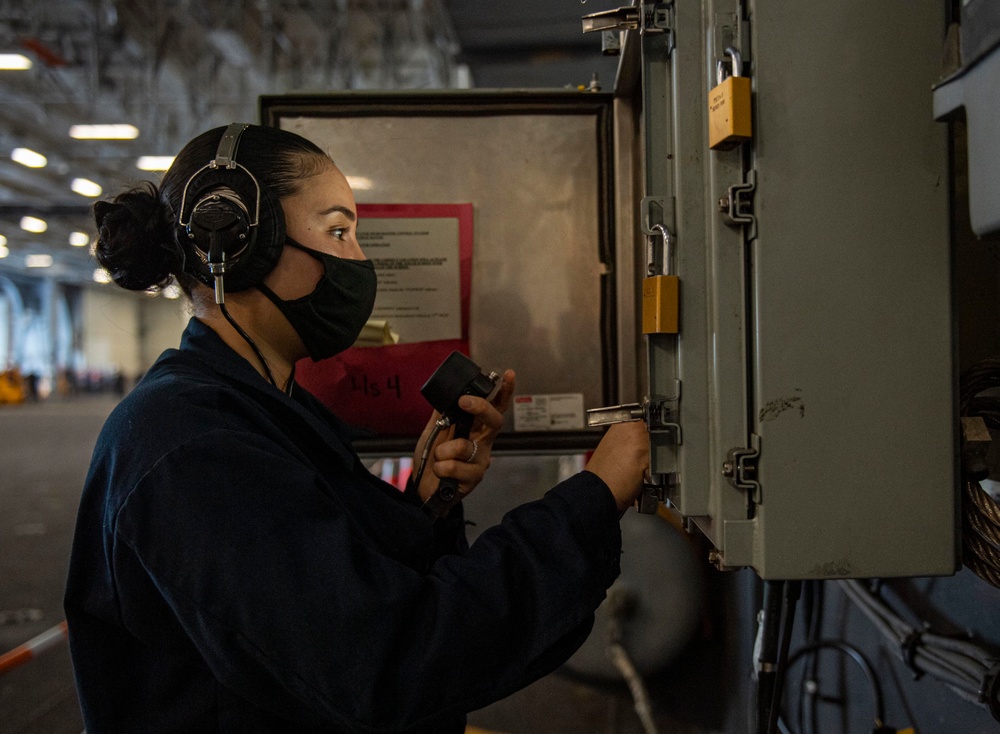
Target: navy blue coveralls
x: 237, y: 569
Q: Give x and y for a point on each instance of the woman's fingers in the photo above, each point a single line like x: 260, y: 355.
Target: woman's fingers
x: 458, y: 449
x: 463, y: 459
x: 501, y: 400
x: 489, y: 413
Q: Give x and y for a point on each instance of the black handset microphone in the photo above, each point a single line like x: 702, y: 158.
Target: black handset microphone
x: 457, y: 376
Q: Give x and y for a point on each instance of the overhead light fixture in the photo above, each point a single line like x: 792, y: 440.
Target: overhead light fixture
x: 79, y: 239
x: 154, y: 162
x: 38, y: 261
x: 14, y: 62
x: 104, y: 132
x: 34, y: 224
x: 3, y: 241
x: 359, y: 183
x: 28, y: 157
x: 4, y: 252
x: 86, y: 187
x: 102, y: 276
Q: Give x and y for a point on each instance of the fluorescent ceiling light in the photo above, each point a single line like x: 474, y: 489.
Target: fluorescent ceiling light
x: 86, y: 187
x: 14, y: 62
x: 34, y: 224
x: 359, y: 183
x: 4, y: 252
x: 102, y: 276
x: 3, y: 241
x: 154, y: 162
x: 29, y: 158
x: 104, y: 132
x: 79, y: 239
x: 38, y: 261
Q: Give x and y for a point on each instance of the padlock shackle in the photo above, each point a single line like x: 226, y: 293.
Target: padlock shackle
x: 668, y: 246
x: 737, y: 60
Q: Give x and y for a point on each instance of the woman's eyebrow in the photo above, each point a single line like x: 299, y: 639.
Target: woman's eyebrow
x: 342, y: 209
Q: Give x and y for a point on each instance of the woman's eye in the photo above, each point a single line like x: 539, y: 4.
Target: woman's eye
x: 339, y: 232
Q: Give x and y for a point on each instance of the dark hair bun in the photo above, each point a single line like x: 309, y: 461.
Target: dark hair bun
x: 135, y: 241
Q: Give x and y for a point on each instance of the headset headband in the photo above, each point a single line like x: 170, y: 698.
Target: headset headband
x: 225, y: 157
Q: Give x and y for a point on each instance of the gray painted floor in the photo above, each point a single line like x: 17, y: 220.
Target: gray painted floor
x: 45, y: 452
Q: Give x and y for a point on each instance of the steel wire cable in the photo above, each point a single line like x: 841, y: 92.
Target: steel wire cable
x: 982, y: 526
x: 982, y: 558
x: 983, y: 502
x: 983, y: 549
x: 980, y: 510
x: 981, y: 568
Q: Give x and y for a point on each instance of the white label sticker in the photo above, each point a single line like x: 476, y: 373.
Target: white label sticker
x: 548, y: 412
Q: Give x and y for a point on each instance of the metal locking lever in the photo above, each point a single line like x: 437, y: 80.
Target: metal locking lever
x: 616, y: 414
x: 658, y: 416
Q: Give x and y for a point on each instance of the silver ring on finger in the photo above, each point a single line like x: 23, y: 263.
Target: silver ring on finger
x: 475, y: 450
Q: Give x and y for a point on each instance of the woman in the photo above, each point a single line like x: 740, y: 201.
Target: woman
x: 235, y: 567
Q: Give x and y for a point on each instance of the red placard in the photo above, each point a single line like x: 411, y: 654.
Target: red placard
x: 378, y: 388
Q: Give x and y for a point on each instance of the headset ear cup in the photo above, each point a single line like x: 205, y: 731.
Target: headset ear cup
x: 260, y: 260
x: 260, y: 254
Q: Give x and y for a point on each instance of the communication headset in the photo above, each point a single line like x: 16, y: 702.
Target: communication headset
x: 231, y: 228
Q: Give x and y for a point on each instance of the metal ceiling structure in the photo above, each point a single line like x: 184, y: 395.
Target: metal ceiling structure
x: 175, y: 69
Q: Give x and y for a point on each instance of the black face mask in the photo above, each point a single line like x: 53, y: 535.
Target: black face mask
x: 329, y: 319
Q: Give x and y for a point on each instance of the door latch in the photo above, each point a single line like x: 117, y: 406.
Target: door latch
x: 660, y: 415
x: 740, y: 468
x: 736, y: 207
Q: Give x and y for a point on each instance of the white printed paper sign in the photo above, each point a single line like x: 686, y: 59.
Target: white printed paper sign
x: 417, y: 261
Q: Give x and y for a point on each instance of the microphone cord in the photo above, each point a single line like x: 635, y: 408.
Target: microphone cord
x: 253, y: 346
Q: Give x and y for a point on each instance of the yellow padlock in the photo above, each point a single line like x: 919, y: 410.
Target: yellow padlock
x: 660, y: 304
x: 661, y: 294
x: 729, y: 108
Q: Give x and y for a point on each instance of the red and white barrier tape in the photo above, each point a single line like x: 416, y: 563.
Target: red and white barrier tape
x: 30, y: 649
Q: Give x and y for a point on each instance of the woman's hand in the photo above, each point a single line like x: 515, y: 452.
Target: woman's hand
x: 621, y: 460
x: 465, y: 459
